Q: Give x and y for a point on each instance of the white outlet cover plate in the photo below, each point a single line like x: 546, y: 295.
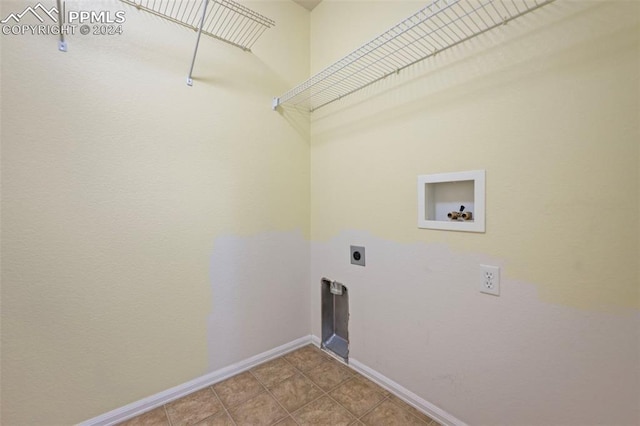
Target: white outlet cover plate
x: 490, y: 280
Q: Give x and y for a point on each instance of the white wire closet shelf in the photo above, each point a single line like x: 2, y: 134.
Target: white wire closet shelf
x: 224, y: 20
x: 438, y: 26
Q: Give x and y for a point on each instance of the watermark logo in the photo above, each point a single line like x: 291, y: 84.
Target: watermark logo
x: 42, y: 20
x: 33, y: 10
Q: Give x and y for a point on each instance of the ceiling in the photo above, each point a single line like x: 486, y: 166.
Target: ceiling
x: 308, y: 4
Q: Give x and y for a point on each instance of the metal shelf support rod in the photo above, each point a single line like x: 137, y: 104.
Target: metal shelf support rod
x: 195, y: 52
x: 62, y: 44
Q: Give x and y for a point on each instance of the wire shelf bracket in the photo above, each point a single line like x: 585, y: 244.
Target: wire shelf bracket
x: 62, y: 43
x: 224, y: 20
x: 438, y: 26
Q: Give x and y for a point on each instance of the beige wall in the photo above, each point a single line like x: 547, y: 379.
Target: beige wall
x: 119, y: 187
x: 549, y: 107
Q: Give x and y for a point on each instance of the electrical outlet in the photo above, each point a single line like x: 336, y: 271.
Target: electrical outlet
x: 357, y: 255
x: 490, y: 280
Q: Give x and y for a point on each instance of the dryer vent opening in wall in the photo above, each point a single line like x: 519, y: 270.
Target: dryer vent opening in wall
x: 335, y: 318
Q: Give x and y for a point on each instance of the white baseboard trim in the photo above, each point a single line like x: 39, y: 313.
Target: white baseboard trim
x: 315, y: 340
x: 406, y: 395
x: 142, y: 406
x: 401, y: 392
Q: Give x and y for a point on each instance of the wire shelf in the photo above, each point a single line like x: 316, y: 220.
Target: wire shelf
x: 438, y: 26
x: 225, y: 20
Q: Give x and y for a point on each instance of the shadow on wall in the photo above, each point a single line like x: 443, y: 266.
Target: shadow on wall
x: 298, y: 118
x: 260, y: 294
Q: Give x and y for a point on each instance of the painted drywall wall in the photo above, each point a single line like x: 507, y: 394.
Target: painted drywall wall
x: 270, y: 303
x: 120, y: 186
x: 417, y: 317
x: 549, y: 107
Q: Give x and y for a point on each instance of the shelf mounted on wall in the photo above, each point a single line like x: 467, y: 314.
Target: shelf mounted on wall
x: 224, y: 20
x: 438, y: 26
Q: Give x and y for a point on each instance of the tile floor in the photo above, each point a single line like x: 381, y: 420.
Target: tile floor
x: 303, y: 387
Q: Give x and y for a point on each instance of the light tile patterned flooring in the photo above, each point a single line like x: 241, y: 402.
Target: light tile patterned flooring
x: 303, y: 387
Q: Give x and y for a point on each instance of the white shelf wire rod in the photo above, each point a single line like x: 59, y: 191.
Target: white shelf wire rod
x: 205, y: 3
x: 62, y: 43
x: 224, y: 20
x: 438, y: 26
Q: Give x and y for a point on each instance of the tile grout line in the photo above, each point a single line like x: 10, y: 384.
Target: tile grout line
x: 306, y: 377
x: 354, y: 376
x: 274, y: 398
x: 224, y: 407
x: 373, y: 408
x: 344, y: 408
x: 326, y: 393
x: 354, y: 414
x: 303, y: 374
x: 297, y: 371
x: 166, y: 413
x: 387, y: 397
x: 410, y: 413
x: 229, y: 408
